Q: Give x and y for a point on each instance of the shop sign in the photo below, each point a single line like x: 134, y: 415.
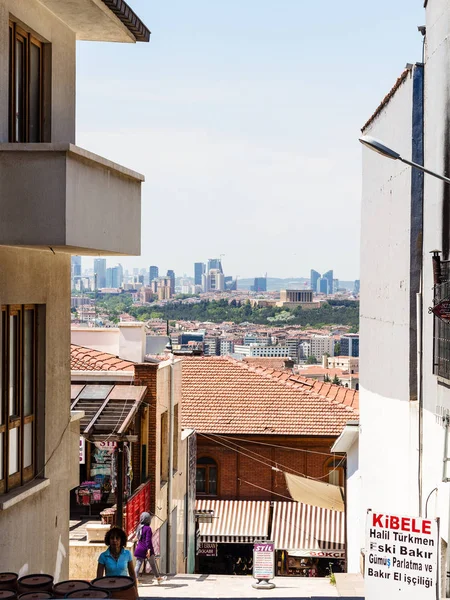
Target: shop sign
x: 82, y: 450
x: 401, y: 559
x: 442, y: 310
x: 207, y: 549
x: 109, y: 446
x: 318, y: 553
x: 263, y: 560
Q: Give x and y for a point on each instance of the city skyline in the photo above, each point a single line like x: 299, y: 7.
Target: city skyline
x: 247, y: 130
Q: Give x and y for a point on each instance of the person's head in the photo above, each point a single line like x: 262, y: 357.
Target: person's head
x: 145, y: 518
x: 116, y: 537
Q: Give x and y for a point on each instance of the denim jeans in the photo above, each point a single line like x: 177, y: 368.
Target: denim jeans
x: 152, y: 561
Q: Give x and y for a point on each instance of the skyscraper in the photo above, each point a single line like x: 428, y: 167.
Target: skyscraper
x: 100, y: 272
x: 76, y: 270
x: 215, y: 263
x: 171, y: 274
x: 153, y: 273
x: 315, y: 276
x: 329, y: 277
x: 199, y: 269
x: 322, y: 286
x: 260, y: 284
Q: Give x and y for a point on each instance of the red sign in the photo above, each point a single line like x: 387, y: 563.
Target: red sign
x: 442, y: 310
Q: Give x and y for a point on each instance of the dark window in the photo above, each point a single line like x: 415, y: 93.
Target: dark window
x: 25, y: 86
x: 206, y: 482
x: 18, y: 396
x: 441, y: 366
x: 334, y: 467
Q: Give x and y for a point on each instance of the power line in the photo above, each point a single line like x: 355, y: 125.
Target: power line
x: 274, y: 445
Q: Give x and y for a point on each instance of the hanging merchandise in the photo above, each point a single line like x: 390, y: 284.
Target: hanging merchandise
x: 128, y: 469
x: 114, y: 472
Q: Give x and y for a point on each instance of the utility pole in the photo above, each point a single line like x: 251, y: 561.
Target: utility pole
x: 119, y: 489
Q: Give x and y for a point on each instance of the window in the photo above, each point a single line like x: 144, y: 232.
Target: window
x: 206, y: 482
x: 164, y: 447
x: 335, y: 469
x: 18, y: 396
x: 175, y: 437
x: 25, y: 86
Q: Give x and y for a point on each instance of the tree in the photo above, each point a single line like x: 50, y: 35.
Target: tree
x: 327, y: 379
x: 336, y: 380
x: 311, y: 360
x: 337, y: 349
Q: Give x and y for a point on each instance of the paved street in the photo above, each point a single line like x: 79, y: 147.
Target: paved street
x: 226, y: 586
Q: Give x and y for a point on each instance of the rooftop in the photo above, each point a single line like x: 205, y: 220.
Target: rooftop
x: 86, y: 359
x: 223, y: 395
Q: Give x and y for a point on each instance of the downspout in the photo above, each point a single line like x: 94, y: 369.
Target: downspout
x: 170, y: 479
x: 416, y: 267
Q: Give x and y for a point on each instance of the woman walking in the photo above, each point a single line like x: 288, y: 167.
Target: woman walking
x: 144, y: 548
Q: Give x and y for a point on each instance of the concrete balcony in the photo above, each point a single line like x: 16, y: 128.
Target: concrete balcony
x: 66, y: 198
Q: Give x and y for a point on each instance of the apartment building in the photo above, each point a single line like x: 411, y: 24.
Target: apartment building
x: 57, y: 200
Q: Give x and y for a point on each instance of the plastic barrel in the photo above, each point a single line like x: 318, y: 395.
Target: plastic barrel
x: 35, y: 583
x: 119, y: 587
x: 8, y: 581
x: 61, y: 589
x: 89, y: 594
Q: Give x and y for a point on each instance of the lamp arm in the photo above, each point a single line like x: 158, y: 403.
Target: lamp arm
x: 415, y: 165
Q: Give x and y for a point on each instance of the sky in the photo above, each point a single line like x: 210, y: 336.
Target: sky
x: 244, y: 118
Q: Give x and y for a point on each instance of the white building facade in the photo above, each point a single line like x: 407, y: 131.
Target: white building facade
x: 405, y: 388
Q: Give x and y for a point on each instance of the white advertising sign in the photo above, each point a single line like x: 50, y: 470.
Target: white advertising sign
x: 263, y: 560
x: 82, y: 450
x: 401, y: 559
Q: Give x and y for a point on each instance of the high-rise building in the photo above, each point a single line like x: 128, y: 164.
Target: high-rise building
x: 100, y: 272
x: 260, y: 284
x: 162, y: 287
x: 322, y: 286
x: 215, y: 263
x: 329, y: 277
x: 75, y: 271
x: 153, y: 273
x: 315, y: 276
x: 349, y: 345
x: 114, y: 277
x: 199, y: 269
x: 171, y: 275
x: 213, y: 281
x: 356, y: 287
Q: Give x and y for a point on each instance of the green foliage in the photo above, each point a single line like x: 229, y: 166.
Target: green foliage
x: 327, y: 379
x: 334, y: 312
x: 311, y: 360
x: 336, y: 380
x: 337, y: 349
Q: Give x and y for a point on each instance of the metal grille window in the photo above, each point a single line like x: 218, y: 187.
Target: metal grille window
x: 441, y: 362
x: 18, y: 396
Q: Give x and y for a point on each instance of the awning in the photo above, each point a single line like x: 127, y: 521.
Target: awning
x: 316, y: 493
x: 109, y: 410
x: 234, y: 521
x: 311, y: 530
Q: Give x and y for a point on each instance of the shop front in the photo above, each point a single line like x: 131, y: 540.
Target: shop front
x: 109, y: 415
x: 309, y: 540
x: 225, y: 544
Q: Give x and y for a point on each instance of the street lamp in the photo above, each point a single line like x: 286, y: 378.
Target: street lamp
x: 381, y: 148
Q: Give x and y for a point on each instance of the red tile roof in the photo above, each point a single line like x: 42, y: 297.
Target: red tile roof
x: 272, y: 362
x: 86, y: 359
x: 223, y: 395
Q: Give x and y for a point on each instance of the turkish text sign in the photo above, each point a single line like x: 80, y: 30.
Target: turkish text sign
x: 263, y: 560
x: 207, y: 549
x: 401, y: 558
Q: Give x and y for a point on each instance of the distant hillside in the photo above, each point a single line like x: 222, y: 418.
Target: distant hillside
x: 275, y: 284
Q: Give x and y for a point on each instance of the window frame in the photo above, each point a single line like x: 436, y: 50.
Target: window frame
x: 17, y: 32
x: 335, y: 466
x: 202, y: 464
x: 19, y: 419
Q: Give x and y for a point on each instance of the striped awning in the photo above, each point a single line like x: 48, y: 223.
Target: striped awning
x: 234, y: 521
x: 309, y: 529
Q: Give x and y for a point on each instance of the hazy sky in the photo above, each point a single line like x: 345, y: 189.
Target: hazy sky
x: 244, y: 117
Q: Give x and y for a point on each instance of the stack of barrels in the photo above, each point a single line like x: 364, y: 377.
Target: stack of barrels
x: 42, y: 587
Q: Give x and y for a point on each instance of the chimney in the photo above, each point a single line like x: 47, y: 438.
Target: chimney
x: 325, y: 361
x: 289, y: 363
x: 132, y: 341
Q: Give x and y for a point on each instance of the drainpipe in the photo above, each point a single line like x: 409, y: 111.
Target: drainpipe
x: 170, y: 480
